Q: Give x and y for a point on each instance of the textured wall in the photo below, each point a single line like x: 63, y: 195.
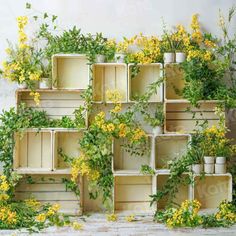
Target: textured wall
x: 114, y: 18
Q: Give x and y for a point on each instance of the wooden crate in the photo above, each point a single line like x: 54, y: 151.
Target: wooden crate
x: 124, y: 162
x: 131, y: 193
x: 182, y: 194
x: 68, y: 141
x: 212, y: 189
x: 173, y: 81
x: 109, y: 76
x: 49, y: 189
x: 169, y: 147
x: 55, y: 103
x: 33, y: 151
x: 180, y: 119
x: 70, y: 71
x: 88, y: 204
x: 148, y: 74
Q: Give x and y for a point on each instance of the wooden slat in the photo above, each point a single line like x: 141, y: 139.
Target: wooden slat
x: 133, y: 206
x: 190, y: 116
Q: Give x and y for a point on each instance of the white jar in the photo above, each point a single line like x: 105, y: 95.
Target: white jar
x: 157, y: 130
x: 197, y: 168
x: 209, y: 160
x: 100, y: 58
x: 220, y: 168
x: 45, y: 84
x: 22, y: 85
x: 180, y: 57
x: 209, y: 168
x: 120, y: 57
x: 169, y: 57
x: 220, y: 160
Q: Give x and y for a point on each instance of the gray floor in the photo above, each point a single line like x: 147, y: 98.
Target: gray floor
x: 97, y: 224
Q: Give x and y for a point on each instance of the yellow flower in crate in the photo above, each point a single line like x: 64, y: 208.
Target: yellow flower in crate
x: 110, y: 127
x: 4, y: 186
x: 33, y: 203
x: 77, y: 226
x: 138, y: 134
x: 209, y: 43
x: 36, y: 96
x: 112, y: 217
x: 41, y: 217
x: 113, y: 96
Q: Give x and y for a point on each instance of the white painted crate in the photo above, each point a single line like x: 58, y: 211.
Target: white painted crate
x: 33, y: 151
x: 124, y: 162
x: 212, y: 189
x: 70, y: 71
x: 169, y: 147
x: 184, y: 191
x: 179, y: 119
x: 173, y: 81
x: 109, y: 76
x: 148, y: 74
x: 49, y: 189
x: 132, y: 193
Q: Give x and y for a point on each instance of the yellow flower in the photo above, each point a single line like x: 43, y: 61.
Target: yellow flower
x: 33, y: 203
x: 112, y: 217
x: 110, y: 127
x: 117, y: 108
x: 4, y: 197
x: 77, y: 226
x: 130, y: 218
x: 22, y: 21
x: 138, y: 134
x: 195, y: 23
x: 113, y: 96
x: 207, y: 56
x: 41, y: 217
x: 36, y: 96
x: 209, y: 43
x: 122, y: 130
x: 4, y: 186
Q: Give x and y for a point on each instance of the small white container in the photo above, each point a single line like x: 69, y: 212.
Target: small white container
x: 220, y: 168
x: 209, y: 168
x: 169, y: 57
x: 180, y: 57
x: 197, y: 168
x: 119, y: 57
x: 157, y: 130
x: 22, y: 85
x: 220, y: 160
x: 45, y: 84
x: 209, y: 160
x: 100, y: 58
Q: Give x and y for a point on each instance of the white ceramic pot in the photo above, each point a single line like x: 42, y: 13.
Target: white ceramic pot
x: 197, y: 168
x: 22, y: 85
x: 120, y: 57
x: 100, y: 58
x: 169, y: 57
x: 209, y: 160
x: 180, y: 57
x: 220, y: 160
x: 157, y: 130
x: 45, y: 84
x: 209, y: 168
x: 220, y: 168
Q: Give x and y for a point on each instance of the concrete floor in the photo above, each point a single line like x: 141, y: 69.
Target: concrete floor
x: 97, y: 224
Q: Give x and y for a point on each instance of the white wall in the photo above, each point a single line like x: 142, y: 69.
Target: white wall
x: 114, y: 18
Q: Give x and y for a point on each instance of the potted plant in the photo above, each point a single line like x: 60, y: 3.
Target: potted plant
x: 121, y: 51
x: 45, y: 81
x: 197, y: 159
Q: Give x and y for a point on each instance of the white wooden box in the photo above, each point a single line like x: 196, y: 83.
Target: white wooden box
x: 212, y: 189
x: 70, y: 71
x: 109, y: 76
x: 148, y: 74
x: 180, y: 119
x: 173, y: 81
x: 49, y: 189
x: 68, y: 141
x: 182, y: 194
x: 33, y: 151
x: 124, y: 162
x: 55, y: 103
x: 132, y: 193
x: 169, y: 147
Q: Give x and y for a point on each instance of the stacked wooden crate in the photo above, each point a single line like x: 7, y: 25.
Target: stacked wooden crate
x: 36, y: 154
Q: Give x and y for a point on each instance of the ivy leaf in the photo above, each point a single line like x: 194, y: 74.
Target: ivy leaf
x: 28, y: 5
x: 54, y: 18
x: 45, y: 15
x: 35, y: 18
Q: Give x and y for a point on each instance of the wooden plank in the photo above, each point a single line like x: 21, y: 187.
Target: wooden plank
x: 34, y: 150
x: 129, y: 180
x: 190, y: 116
x: 133, y: 206
x: 22, y: 150
x: 46, y: 150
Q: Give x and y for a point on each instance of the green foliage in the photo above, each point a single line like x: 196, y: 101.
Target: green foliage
x: 147, y: 170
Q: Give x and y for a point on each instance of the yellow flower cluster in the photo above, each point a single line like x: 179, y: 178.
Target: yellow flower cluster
x: 123, y: 130
x: 7, y: 216
x: 36, y: 96
x: 200, y: 54
x: 77, y: 226
x: 186, y: 215
x: 112, y: 217
x: 22, y: 21
x: 226, y: 212
x: 81, y: 167
x: 33, y: 203
x: 41, y: 217
x: 113, y: 96
x: 195, y: 26
x: 209, y: 43
x: 4, y: 187
x: 53, y: 210
x: 130, y: 218
x: 138, y: 134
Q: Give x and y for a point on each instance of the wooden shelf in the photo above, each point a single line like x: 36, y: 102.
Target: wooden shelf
x: 169, y: 147
x: 124, y: 161
x: 148, y: 74
x: 49, y: 189
x: 70, y: 71
x: 109, y: 76
x: 131, y: 193
x: 212, y: 189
